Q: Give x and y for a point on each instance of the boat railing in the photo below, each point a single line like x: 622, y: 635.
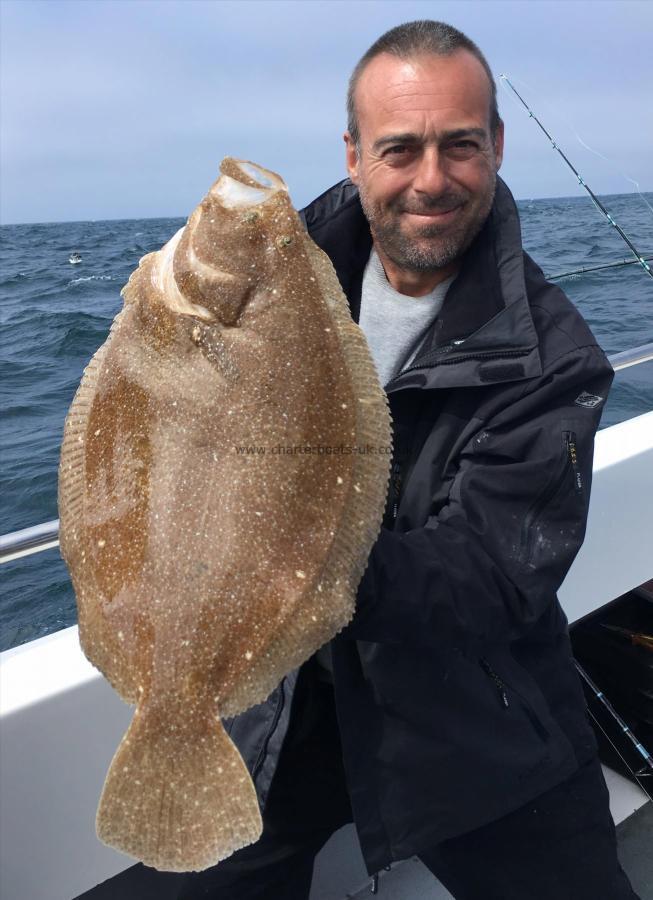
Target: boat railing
x: 633, y: 357
x: 46, y: 535
x: 29, y: 540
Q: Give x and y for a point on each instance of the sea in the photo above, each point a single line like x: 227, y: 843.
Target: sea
x: 54, y: 315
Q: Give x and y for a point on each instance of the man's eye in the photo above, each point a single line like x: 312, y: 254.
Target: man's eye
x: 396, y: 151
x: 462, y: 150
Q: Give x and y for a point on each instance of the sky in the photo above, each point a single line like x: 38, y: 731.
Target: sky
x: 116, y: 109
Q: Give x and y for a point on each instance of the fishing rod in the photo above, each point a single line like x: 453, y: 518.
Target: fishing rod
x: 638, y: 256
x: 636, y: 638
x: 647, y: 769
x: 612, y: 265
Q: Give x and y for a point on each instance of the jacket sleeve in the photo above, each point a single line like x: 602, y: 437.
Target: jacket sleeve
x: 490, y: 562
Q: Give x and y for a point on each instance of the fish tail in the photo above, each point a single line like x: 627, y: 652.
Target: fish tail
x: 178, y: 796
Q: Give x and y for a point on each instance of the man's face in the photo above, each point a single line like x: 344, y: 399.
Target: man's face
x: 427, y: 166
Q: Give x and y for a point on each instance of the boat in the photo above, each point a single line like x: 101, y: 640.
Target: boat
x: 74, y: 259
x: 60, y: 721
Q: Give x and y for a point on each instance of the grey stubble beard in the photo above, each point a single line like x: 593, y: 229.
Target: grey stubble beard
x: 412, y: 256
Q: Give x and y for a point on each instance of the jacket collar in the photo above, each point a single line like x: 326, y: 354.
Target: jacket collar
x: 484, y: 332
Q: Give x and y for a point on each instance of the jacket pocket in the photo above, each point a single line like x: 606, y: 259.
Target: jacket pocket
x: 505, y: 692
x: 567, y: 475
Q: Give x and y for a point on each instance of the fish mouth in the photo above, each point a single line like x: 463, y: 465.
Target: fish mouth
x: 243, y: 184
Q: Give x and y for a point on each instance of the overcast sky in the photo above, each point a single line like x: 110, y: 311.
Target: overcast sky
x: 124, y: 108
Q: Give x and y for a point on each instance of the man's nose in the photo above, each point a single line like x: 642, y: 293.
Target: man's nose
x: 431, y: 176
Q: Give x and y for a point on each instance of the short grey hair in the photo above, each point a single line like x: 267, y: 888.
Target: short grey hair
x: 412, y: 39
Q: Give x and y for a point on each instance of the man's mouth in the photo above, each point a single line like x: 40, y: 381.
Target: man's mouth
x: 434, y: 216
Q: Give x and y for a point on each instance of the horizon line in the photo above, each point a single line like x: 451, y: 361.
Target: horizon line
x: 154, y: 218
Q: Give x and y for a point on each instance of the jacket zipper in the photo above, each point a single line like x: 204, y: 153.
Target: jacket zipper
x: 500, y: 686
x: 488, y: 354
x: 275, y: 720
x: 571, y: 459
x: 503, y: 696
x: 396, y: 488
x: 570, y: 439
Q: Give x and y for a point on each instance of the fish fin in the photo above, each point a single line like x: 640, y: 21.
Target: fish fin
x: 73, y: 448
x: 72, y: 459
x: 98, y: 639
x: 178, y: 798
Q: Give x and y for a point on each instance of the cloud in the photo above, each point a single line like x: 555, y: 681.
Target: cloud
x: 125, y: 108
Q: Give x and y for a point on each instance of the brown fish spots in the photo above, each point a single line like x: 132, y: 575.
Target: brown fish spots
x: 205, y: 572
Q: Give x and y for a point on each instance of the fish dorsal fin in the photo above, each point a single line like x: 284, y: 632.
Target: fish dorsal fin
x: 97, y: 639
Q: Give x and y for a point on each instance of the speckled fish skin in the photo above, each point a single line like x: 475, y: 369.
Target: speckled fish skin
x: 204, y: 575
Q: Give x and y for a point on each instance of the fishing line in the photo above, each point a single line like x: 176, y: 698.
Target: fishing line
x: 595, y: 200
x: 614, y: 166
x: 619, y: 753
x: 639, y: 747
x: 563, y: 118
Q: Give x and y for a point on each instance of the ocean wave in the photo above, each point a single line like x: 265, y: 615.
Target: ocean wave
x: 13, y: 279
x: 91, y: 278
x: 81, y: 339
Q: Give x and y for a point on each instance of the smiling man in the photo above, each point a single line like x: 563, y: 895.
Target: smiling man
x: 446, y: 720
x: 424, y: 146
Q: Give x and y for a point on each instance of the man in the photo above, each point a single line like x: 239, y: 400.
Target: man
x: 447, y: 719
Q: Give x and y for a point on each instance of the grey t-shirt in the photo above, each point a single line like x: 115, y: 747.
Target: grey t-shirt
x: 394, y: 325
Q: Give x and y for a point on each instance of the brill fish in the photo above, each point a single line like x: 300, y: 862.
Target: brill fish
x: 216, y: 513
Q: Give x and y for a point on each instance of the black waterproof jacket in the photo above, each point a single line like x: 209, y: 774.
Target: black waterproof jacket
x: 455, y: 688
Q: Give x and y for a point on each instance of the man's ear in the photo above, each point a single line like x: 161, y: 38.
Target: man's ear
x: 498, y: 144
x: 351, y: 156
